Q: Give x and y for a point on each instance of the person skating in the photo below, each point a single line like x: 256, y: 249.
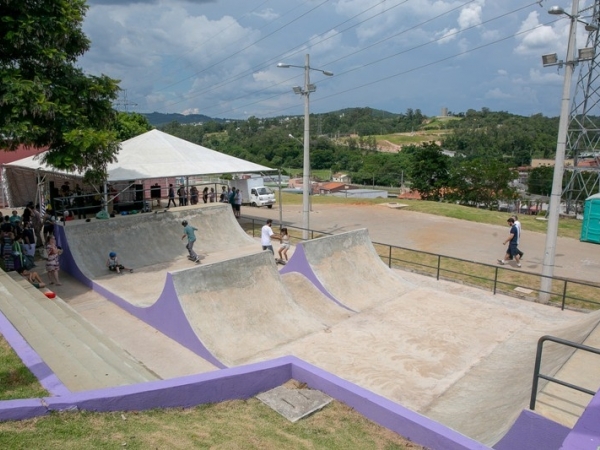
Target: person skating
x: 189, y: 232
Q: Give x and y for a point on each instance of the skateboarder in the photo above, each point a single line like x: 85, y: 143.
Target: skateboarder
x: 266, y: 233
x: 188, y: 231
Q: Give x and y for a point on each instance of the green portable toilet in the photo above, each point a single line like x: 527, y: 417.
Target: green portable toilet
x: 590, y: 229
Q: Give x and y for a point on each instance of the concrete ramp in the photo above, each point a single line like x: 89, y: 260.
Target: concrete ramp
x: 503, y: 379
x: 241, y: 307
x: 150, y: 239
x: 347, y: 268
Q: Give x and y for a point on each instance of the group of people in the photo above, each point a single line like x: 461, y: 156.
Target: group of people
x: 208, y: 195
x: 267, y: 234
x: 513, y: 240
x: 21, y: 235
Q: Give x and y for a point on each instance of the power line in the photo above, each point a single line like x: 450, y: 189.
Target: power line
x: 402, y: 52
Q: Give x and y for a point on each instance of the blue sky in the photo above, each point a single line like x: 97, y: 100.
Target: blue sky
x: 220, y: 57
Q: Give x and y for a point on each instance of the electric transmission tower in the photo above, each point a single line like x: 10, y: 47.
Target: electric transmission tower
x: 583, y: 139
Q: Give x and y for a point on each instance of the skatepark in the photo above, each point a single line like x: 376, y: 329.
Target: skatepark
x: 459, y: 356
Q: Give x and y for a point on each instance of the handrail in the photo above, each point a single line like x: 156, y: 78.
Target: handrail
x: 538, y: 361
x: 561, y: 294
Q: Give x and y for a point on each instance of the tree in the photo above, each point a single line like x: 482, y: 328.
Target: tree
x: 130, y: 125
x: 45, y: 101
x: 429, y: 171
x: 481, y: 182
x: 540, y: 180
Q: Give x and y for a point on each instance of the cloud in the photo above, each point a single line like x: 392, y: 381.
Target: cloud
x: 469, y: 16
x: 502, y: 72
x: 496, y: 93
x: 539, y: 39
x: 266, y: 14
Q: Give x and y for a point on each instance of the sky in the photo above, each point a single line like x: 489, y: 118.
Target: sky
x: 219, y: 57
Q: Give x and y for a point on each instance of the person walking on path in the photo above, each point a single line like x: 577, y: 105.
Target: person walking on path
x: 512, y: 251
x: 266, y: 234
x: 171, y: 196
x: 189, y: 232
x: 518, y: 225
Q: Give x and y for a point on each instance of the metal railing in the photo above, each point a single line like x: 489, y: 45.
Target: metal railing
x: 497, y: 279
x: 538, y: 361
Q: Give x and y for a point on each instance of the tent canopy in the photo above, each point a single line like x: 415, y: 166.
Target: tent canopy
x: 159, y: 155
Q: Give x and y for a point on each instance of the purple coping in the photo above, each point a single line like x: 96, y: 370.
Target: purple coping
x: 166, y: 314
x: 245, y: 382
x: 298, y: 263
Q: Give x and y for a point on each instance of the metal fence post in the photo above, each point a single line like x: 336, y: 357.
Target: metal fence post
x: 438, y: 267
x: 390, y: 258
x: 495, y: 280
x: 564, y: 296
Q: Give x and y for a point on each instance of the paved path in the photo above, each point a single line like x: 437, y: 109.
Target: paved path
x: 436, y: 234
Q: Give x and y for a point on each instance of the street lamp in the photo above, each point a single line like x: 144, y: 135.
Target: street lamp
x: 561, y: 143
x: 305, y: 91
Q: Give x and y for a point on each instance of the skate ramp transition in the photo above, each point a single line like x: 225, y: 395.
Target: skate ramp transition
x: 243, y: 310
x: 347, y: 268
x: 241, y: 307
x: 148, y: 239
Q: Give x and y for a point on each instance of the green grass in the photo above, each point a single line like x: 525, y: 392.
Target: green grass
x: 16, y: 381
x: 242, y: 424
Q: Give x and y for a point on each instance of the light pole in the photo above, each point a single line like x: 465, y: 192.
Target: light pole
x: 305, y: 91
x: 561, y: 143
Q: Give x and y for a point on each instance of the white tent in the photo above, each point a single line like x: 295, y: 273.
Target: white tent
x: 150, y: 155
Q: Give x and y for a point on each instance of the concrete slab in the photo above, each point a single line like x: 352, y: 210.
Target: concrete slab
x: 294, y: 404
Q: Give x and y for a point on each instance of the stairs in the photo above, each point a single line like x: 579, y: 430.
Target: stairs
x: 77, y: 352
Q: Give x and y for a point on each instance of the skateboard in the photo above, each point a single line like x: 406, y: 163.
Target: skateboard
x: 197, y: 261
x: 280, y: 261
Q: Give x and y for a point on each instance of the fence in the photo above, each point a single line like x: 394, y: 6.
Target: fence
x: 566, y: 293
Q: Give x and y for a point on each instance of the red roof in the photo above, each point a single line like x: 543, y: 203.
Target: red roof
x: 20, y: 153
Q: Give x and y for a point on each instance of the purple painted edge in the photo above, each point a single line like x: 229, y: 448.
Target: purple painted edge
x: 586, y: 432
x: 245, y: 382
x: 31, y: 359
x: 166, y: 314
x: 298, y: 263
x: 393, y: 416
x: 533, y: 432
x: 67, y: 262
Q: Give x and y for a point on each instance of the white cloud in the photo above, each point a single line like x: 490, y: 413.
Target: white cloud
x: 496, y: 93
x: 502, y: 72
x: 539, y: 39
x: 267, y: 14
x: 470, y: 16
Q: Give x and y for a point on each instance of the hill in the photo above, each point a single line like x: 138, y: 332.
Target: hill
x: 157, y: 119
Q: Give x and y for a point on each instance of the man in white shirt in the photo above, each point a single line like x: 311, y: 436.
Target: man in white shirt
x: 518, y: 225
x: 266, y: 234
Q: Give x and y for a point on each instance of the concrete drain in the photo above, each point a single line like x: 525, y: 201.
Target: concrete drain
x: 294, y: 404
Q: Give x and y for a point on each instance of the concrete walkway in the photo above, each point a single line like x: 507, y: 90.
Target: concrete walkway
x: 442, y: 235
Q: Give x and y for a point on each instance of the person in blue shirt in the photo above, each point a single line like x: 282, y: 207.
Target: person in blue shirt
x: 188, y: 231
x: 513, y: 241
